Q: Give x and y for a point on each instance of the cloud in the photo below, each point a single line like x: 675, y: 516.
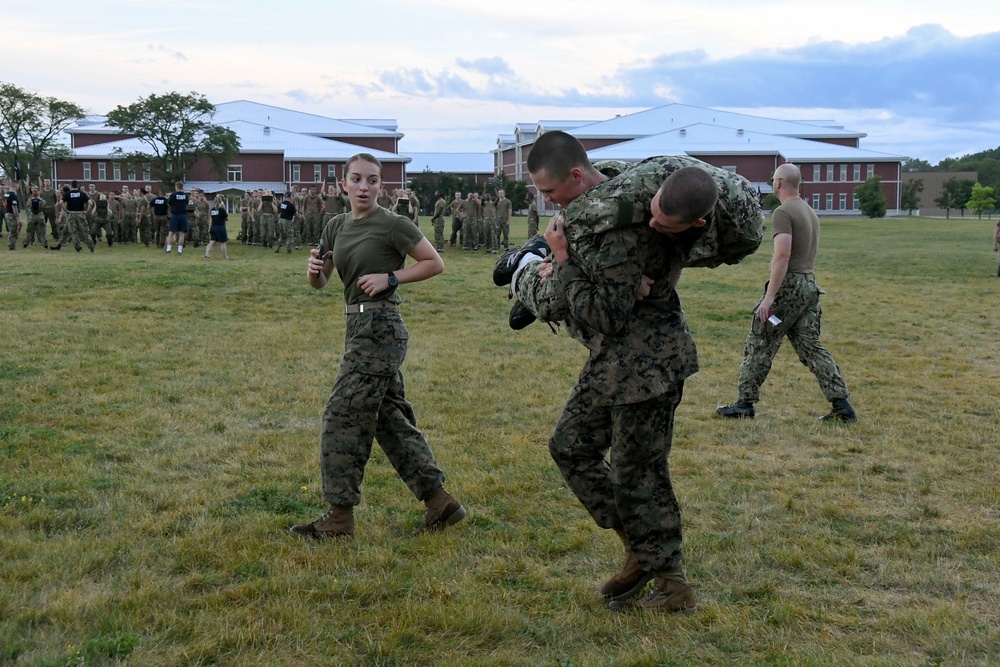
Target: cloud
x: 927, y: 68
x: 420, y: 83
x: 927, y: 81
x: 176, y: 55
x: 303, y: 96
x: 927, y: 71
x: 495, y: 66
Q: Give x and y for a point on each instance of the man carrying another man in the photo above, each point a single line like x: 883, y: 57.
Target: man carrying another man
x: 617, y: 259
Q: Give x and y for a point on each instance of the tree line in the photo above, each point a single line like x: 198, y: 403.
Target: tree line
x: 961, y: 193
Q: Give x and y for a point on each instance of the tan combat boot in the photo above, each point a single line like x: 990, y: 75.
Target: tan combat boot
x: 629, y: 580
x: 442, y: 511
x: 668, y: 595
x: 337, y: 522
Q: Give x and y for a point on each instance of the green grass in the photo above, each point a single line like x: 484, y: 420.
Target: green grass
x: 159, y: 420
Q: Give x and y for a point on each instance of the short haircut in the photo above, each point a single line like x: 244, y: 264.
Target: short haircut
x: 557, y: 152
x: 74, y: 183
x: 179, y: 185
x: 689, y: 193
x: 790, y: 173
x: 367, y: 157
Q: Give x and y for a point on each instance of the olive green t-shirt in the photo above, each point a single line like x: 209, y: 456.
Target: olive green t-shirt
x: 797, y: 218
x: 376, y: 243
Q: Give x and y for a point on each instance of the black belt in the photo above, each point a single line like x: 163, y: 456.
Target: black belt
x: 355, y: 308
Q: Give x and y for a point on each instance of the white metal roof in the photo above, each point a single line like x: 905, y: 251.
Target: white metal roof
x: 256, y: 138
x: 297, y: 121
x: 264, y: 114
x: 671, y: 116
x: 701, y: 139
x: 113, y: 149
x: 564, y: 125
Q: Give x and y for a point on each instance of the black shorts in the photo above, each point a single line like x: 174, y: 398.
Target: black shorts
x: 178, y: 223
x: 217, y: 233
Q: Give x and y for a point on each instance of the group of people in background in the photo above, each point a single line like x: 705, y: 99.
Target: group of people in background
x: 289, y: 220
x: 478, y: 221
x: 72, y: 215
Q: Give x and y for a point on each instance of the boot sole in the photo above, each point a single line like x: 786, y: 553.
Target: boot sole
x: 309, y: 531
x: 454, y: 517
x: 447, y: 521
x: 634, y: 591
x: 720, y: 411
x: 677, y: 607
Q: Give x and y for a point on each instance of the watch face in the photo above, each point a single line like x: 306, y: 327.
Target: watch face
x: 393, y: 280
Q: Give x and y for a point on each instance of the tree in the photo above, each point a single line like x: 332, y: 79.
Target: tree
x: 178, y: 130
x: 30, y: 129
x: 427, y: 182
x: 981, y: 199
x: 871, y: 199
x: 949, y: 196
x: 909, y: 197
x: 916, y: 164
x: 964, y: 194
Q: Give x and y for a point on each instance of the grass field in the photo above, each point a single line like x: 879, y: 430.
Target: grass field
x: 159, y: 420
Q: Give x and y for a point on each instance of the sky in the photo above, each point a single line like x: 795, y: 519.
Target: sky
x: 919, y: 77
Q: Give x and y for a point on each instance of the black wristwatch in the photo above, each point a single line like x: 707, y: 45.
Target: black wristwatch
x: 393, y: 280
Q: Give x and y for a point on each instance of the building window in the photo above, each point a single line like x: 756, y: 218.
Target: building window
x: 116, y: 171
x: 857, y: 173
x: 331, y: 172
x: 131, y: 172
x: 145, y: 173
x: 843, y: 202
x: 317, y: 173
x: 235, y: 173
x: 816, y: 202
x: 869, y: 170
x: 854, y: 204
x: 829, y: 172
x: 731, y: 170
x: 296, y: 173
x: 816, y: 173
x: 843, y: 172
x: 102, y: 171
x: 829, y: 202
x: 86, y: 171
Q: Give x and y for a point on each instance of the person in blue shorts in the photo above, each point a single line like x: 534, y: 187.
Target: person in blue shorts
x: 217, y: 232
x: 178, y: 202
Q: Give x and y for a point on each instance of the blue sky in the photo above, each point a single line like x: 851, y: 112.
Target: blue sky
x: 917, y: 76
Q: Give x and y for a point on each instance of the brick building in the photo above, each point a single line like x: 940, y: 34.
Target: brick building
x: 934, y: 187
x: 830, y: 157
x: 279, y: 148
